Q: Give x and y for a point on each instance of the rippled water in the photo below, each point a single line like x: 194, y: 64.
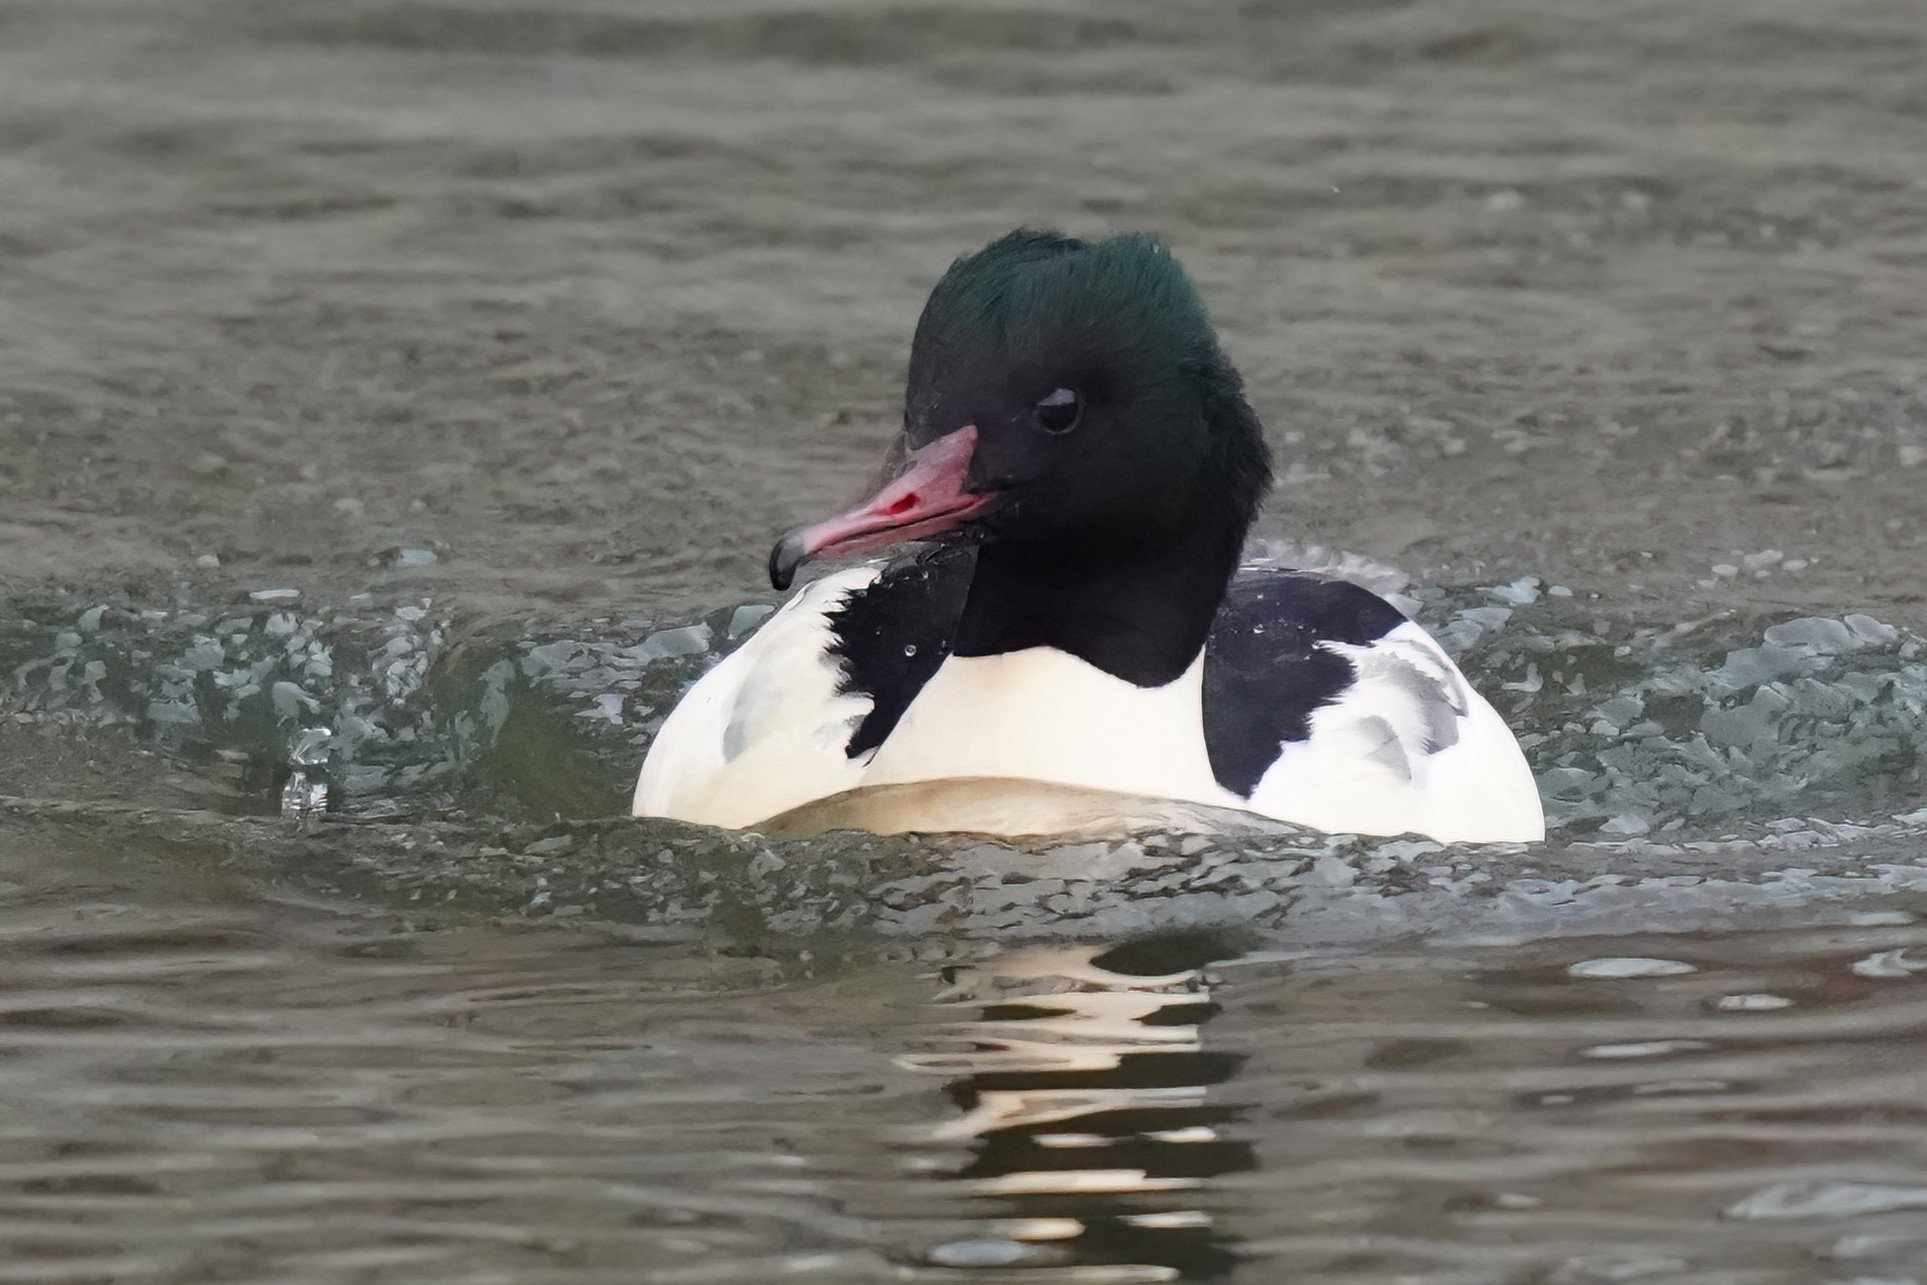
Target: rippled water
x: 396, y: 401
x: 201, y: 1083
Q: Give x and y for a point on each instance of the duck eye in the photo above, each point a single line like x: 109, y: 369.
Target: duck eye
x: 1059, y: 412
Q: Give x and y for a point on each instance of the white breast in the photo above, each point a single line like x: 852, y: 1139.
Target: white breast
x: 1044, y: 715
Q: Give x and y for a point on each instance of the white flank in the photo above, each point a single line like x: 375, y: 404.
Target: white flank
x: 1369, y: 766
x: 765, y: 731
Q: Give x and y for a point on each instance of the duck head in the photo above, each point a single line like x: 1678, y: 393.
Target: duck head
x: 1068, y: 406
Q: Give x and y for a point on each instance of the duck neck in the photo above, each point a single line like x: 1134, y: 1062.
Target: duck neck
x: 1142, y: 617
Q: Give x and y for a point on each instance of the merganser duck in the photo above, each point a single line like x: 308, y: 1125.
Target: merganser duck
x: 1081, y: 464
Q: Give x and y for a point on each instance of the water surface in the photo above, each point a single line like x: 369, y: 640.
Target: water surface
x: 397, y: 401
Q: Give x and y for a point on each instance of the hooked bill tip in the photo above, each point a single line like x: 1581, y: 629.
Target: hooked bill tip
x: 784, y: 559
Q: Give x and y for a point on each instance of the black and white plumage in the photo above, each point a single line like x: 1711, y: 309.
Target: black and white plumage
x: 1080, y: 456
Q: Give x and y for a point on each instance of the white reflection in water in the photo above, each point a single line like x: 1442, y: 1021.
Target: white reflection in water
x: 1094, y: 1112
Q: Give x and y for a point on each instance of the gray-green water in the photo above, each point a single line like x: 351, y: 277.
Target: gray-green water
x: 398, y: 399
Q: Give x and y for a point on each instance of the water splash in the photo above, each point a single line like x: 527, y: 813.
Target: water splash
x: 1693, y: 776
